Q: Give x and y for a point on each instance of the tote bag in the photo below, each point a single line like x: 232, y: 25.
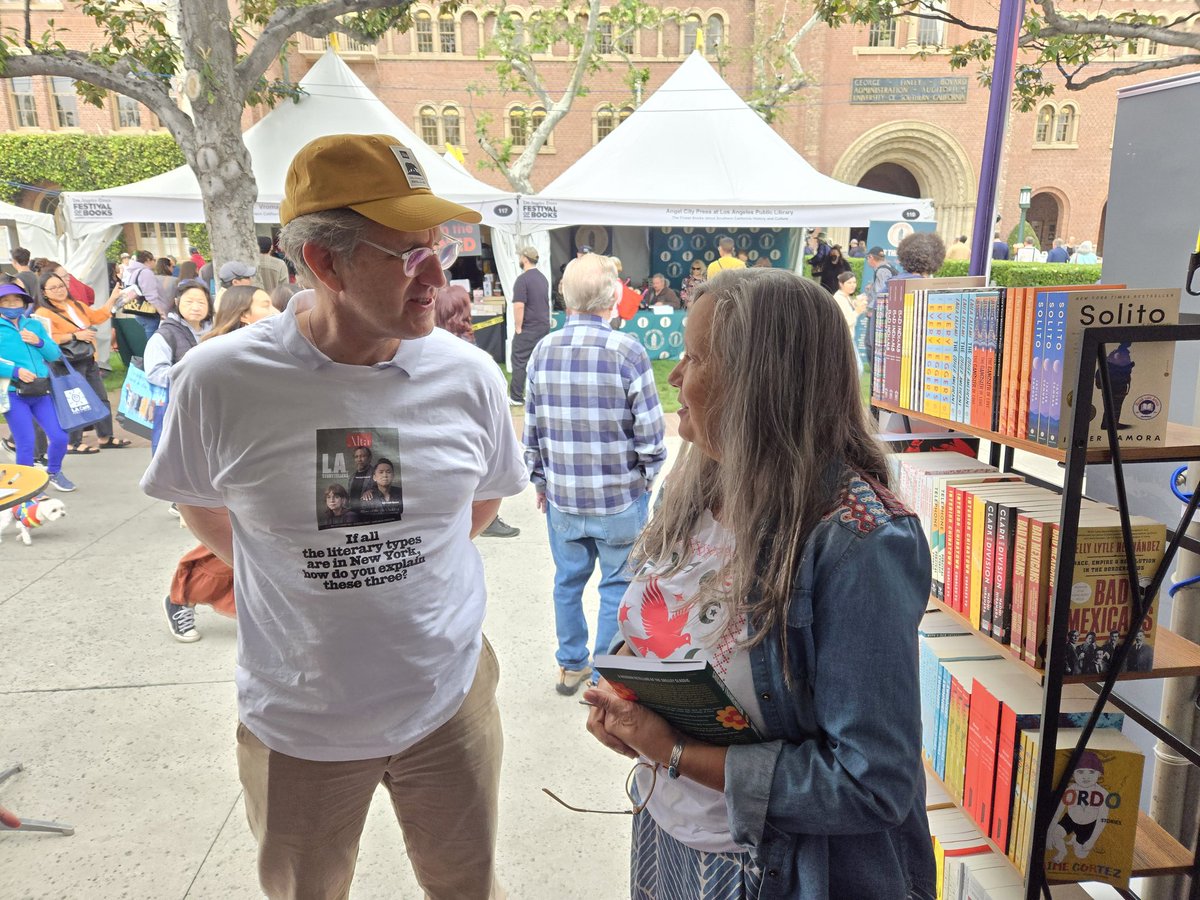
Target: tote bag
x: 135, y: 411
x: 75, y: 403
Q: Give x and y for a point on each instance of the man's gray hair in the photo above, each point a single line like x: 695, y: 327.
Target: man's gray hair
x: 589, y: 284
x: 337, y: 230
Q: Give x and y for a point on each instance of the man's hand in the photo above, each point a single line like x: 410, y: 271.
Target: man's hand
x: 628, y: 728
x: 29, y: 337
x: 541, y: 501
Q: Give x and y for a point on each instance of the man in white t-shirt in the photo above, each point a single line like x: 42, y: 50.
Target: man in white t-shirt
x: 361, y: 657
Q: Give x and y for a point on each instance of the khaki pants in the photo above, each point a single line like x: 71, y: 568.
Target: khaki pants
x: 308, y: 816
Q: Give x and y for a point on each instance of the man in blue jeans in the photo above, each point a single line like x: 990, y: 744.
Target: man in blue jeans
x: 593, y: 445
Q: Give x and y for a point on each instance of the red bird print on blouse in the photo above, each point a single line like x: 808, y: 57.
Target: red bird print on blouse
x: 663, y: 628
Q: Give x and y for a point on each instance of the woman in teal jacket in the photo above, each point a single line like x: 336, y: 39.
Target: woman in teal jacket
x: 26, y: 349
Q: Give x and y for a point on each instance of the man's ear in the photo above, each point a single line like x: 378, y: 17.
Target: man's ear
x: 325, y: 266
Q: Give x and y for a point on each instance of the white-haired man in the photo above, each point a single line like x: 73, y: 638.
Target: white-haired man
x: 593, y: 444
x: 361, y: 658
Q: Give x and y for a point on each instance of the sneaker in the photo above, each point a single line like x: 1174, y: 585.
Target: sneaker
x: 174, y: 510
x: 569, y: 680
x: 512, y: 402
x: 61, y: 482
x: 500, y: 528
x: 10, y: 448
x: 182, y: 621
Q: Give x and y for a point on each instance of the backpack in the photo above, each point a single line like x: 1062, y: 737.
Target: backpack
x: 138, y: 304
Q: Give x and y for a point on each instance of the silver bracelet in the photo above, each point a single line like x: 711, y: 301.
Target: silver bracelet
x: 673, y: 763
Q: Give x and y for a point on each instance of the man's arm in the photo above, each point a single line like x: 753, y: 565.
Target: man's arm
x: 210, y: 525
x: 519, y: 297
x: 482, y: 513
x: 649, y: 428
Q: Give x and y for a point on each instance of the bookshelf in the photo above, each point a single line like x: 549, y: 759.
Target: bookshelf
x: 1174, y: 656
x: 1156, y: 852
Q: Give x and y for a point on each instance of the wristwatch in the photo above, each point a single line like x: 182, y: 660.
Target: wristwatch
x: 673, y: 763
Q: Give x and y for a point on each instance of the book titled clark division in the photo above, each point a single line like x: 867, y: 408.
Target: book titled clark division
x: 688, y: 694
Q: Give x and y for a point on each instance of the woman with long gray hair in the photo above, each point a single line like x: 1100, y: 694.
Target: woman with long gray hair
x: 779, y: 556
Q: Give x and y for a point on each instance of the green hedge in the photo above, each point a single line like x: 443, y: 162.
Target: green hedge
x: 1005, y: 273
x: 83, y: 162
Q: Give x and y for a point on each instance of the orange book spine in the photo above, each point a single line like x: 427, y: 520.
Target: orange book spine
x: 1026, y: 363
x: 1014, y: 328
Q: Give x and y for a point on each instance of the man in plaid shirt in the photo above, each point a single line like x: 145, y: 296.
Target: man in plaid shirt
x: 593, y: 444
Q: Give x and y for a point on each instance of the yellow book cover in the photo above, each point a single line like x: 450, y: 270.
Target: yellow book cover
x: 1014, y: 812
x: 906, y: 349
x: 1101, y: 603
x: 1093, y: 829
x: 1018, y: 846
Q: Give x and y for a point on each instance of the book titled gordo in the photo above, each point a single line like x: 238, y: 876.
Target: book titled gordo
x: 688, y: 694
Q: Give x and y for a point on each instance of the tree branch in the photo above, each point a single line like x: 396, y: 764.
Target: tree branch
x: 151, y: 91
x: 288, y: 20
x: 1059, y: 25
x: 1072, y: 84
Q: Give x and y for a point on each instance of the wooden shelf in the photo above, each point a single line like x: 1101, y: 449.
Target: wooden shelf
x: 1155, y: 852
x: 1174, y: 656
x: 1182, y: 443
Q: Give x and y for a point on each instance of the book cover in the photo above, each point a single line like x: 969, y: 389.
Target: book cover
x: 975, y: 556
x: 956, y: 735
x: 999, y: 342
x: 1037, y: 586
x: 1035, y: 365
x: 1028, y: 327
x: 934, y: 654
x: 906, y: 340
x: 1140, y: 372
x: 688, y: 694
x: 1052, y: 362
x: 1005, y: 578
x: 1093, y: 829
x: 1101, y: 603
x: 1010, y: 372
x: 1019, y: 575
x: 950, y: 574
x: 981, y: 754
x: 1016, y: 816
x: 941, y: 525
x: 895, y: 325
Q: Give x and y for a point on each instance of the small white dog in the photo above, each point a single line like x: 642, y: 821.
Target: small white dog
x: 31, y: 514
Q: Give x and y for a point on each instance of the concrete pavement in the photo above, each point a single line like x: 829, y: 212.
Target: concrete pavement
x: 129, y: 736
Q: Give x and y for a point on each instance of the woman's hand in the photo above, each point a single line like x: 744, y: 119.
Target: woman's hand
x: 368, y: 495
x: 628, y: 728
x: 26, y: 376
x: 86, y: 335
x: 29, y: 337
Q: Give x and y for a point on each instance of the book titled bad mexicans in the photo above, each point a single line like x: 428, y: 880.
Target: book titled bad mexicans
x: 688, y: 694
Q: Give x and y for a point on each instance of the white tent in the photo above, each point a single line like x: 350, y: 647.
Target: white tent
x: 694, y: 154
x: 334, y: 101
x: 20, y: 227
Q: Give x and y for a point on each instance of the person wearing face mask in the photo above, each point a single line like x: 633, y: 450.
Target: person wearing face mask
x: 25, y: 351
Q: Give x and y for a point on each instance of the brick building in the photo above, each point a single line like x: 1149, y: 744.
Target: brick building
x: 884, y: 109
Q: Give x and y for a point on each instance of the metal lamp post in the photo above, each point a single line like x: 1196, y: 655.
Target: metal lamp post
x: 1023, y: 201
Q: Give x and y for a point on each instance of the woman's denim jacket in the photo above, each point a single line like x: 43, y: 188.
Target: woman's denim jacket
x: 833, y: 804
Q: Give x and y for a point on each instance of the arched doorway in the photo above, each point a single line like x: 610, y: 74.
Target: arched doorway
x: 915, y: 159
x: 1044, y: 214
x: 891, y: 178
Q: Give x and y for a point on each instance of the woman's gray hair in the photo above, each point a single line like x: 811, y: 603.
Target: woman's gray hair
x: 788, y: 420
x: 589, y: 284
x: 337, y: 230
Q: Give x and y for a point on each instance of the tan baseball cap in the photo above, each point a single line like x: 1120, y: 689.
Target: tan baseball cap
x: 372, y: 174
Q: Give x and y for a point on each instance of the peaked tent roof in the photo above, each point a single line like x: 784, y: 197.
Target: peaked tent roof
x: 695, y: 154
x: 335, y: 101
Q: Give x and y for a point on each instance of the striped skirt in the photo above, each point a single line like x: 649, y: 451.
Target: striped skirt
x: 661, y: 868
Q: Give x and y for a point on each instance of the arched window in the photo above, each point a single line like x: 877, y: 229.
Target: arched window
x: 447, y: 36
x: 625, y: 113
x: 537, y: 115
x: 1045, y: 124
x: 714, y: 35
x: 691, y: 28
x: 452, y: 125
x: 1064, y: 125
x: 606, y: 121
x: 428, y: 121
x: 518, y: 126
x: 423, y: 25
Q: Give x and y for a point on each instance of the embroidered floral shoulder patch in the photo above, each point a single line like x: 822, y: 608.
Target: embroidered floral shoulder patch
x: 865, y: 505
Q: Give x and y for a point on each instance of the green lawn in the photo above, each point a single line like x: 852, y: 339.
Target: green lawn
x: 667, y: 395
x: 114, y: 379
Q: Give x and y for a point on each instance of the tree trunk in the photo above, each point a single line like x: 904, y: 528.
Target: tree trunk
x: 222, y: 166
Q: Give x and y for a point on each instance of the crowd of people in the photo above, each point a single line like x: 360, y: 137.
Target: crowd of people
x: 774, y: 537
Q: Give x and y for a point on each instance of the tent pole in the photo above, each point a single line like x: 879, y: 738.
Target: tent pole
x: 1012, y: 13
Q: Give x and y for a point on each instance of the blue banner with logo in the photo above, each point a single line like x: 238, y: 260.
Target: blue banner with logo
x: 673, y: 249
x: 660, y: 333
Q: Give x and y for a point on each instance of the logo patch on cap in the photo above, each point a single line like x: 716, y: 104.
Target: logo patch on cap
x: 413, y: 173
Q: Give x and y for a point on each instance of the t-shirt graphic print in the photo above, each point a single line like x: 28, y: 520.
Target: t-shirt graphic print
x: 358, y: 477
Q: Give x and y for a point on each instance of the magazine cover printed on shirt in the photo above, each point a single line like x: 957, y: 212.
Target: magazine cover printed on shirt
x: 358, y: 477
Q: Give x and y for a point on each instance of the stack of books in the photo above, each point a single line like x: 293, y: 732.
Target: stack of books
x: 994, y: 547
x: 1006, y: 360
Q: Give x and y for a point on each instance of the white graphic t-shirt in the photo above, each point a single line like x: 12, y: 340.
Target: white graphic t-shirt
x: 659, y: 619
x: 359, y: 621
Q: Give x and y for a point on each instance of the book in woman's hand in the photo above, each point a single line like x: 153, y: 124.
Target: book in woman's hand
x: 688, y: 694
